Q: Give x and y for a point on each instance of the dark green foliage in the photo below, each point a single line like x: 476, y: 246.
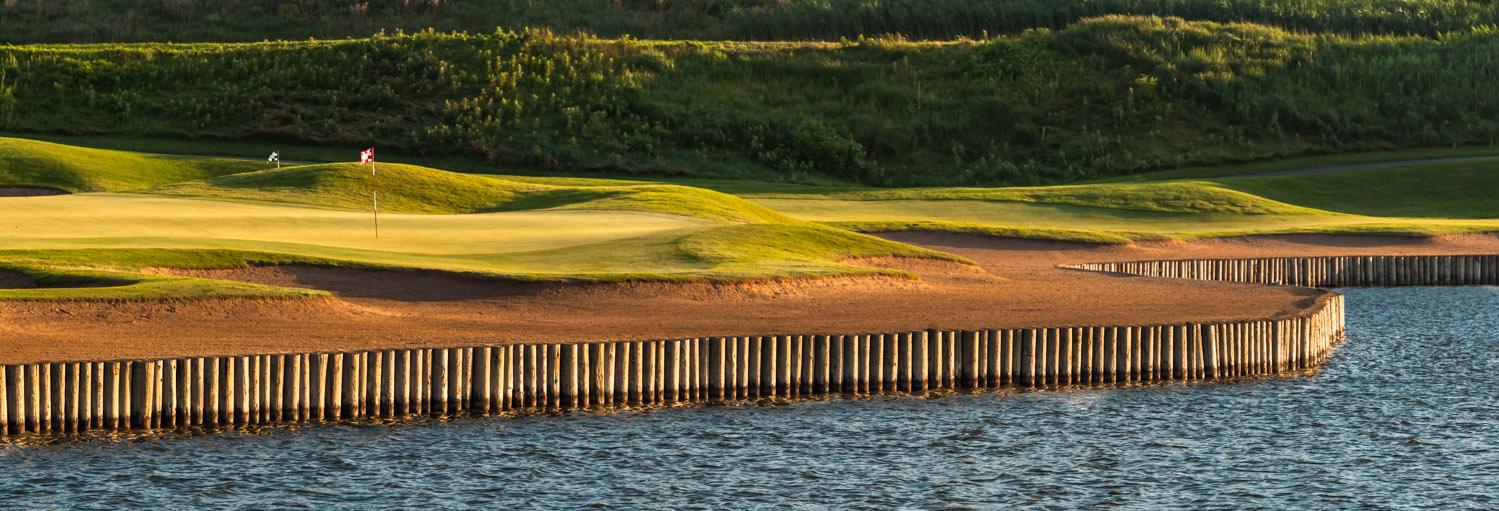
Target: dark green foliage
x: 1106, y: 96
x: 246, y: 20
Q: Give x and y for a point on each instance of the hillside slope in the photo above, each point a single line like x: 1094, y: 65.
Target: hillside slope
x: 1104, y: 96
x: 76, y: 169
x: 417, y: 189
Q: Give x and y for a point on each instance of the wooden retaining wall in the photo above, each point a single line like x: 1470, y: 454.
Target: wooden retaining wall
x: 235, y: 391
x: 1336, y: 271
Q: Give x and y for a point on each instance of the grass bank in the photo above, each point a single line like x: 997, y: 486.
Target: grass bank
x: 1415, y: 200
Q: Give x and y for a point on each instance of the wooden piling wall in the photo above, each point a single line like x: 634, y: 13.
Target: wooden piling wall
x: 240, y: 391
x: 1334, y: 271
x: 247, y: 390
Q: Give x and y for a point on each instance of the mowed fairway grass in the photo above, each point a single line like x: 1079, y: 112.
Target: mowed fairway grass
x: 473, y: 242
x: 1425, y: 199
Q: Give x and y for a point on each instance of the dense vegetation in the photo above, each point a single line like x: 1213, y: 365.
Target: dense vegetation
x: 1106, y: 96
x: 23, y: 21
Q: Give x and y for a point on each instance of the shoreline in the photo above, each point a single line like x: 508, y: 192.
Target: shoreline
x: 318, y: 386
x: 70, y: 398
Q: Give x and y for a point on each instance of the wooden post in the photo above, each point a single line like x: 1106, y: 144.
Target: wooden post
x: 251, y: 369
x: 169, y: 394
x: 510, y: 371
x: 140, y: 395
x: 853, y: 366
x: 1027, y: 357
x: 28, y: 395
x: 822, y: 365
x: 921, y: 361
x: 318, y: 379
x: 569, y: 376
x: 554, y: 376
x: 673, y: 369
x: 527, y: 386
x: 649, y: 372
x: 7, y: 412
x: 784, y: 372
x: 1063, y: 356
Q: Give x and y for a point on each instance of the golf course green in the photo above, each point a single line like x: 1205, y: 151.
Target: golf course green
x: 130, y: 212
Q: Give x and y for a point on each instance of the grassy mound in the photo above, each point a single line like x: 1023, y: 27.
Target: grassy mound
x: 1412, y: 199
x: 417, y: 189
x: 25, y: 162
x: 405, y: 188
x: 1459, y: 189
x: 1169, y: 197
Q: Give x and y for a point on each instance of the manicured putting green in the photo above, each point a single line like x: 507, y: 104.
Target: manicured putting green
x: 68, y: 221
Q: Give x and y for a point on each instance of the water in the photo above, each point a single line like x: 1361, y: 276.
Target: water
x: 1404, y: 416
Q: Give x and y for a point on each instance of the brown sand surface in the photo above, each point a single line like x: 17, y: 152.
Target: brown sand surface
x: 1015, y: 283
x: 29, y: 191
x: 14, y: 280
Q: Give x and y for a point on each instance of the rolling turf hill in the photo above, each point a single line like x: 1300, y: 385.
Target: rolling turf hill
x: 79, y: 169
x: 95, y: 245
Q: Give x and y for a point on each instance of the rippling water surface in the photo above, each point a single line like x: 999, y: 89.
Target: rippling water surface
x: 1405, y: 416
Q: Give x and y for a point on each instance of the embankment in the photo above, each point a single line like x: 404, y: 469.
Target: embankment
x: 74, y: 397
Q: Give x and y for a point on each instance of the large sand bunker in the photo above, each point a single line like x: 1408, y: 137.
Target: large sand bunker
x: 1015, y: 283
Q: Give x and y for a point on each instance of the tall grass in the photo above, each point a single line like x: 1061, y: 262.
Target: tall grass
x: 238, y: 20
x: 941, y: 19
x: 1106, y: 96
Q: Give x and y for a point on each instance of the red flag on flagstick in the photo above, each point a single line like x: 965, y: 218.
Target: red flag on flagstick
x: 368, y: 156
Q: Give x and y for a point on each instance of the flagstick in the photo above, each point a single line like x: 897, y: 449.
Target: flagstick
x: 375, y: 196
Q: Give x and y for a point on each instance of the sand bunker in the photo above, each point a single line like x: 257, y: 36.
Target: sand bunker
x: 1016, y: 283
x: 29, y: 191
x: 438, y: 286
x: 15, y: 280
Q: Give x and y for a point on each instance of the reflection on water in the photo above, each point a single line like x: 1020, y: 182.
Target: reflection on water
x: 1405, y: 415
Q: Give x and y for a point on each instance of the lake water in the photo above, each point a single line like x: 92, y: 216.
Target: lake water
x: 1406, y: 415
